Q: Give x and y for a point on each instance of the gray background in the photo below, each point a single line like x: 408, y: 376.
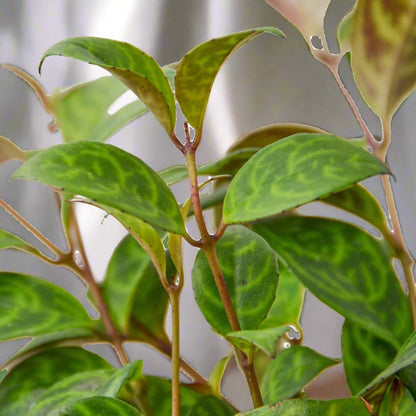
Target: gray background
x: 269, y: 80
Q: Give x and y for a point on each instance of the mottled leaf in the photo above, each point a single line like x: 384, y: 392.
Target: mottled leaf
x: 83, y: 111
x: 265, y: 135
x: 383, y: 39
x: 10, y: 151
x: 133, y: 67
x: 210, y: 405
x: 288, y: 304
x: 199, y: 67
x: 250, y: 271
x: 11, y: 241
x: 364, y: 355
x: 108, y: 175
x: 93, y: 406
x: 341, y: 407
x: 290, y: 371
x: 130, y: 288
x: 293, y: 172
x: 30, y: 306
x: 30, y: 379
x: 346, y: 268
x: 359, y: 201
x: 264, y: 339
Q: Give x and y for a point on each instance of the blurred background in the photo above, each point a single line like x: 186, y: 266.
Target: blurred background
x: 269, y: 80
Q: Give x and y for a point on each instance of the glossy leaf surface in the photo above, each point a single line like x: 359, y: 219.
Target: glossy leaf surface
x: 364, y: 355
x: 288, y: 304
x: 290, y: 371
x: 11, y: 241
x: 93, y: 406
x: 264, y: 339
x: 30, y: 306
x: 108, y: 175
x: 383, y: 39
x: 250, y: 271
x: 10, y: 151
x: 82, y: 111
x: 341, y: 407
x: 133, y: 67
x: 210, y: 405
x: 199, y: 67
x: 293, y: 172
x: 30, y: 379
x: 351, y: 272
x: 131, y: 286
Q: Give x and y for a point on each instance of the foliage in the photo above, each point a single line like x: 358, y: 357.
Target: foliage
x: 250, y: 275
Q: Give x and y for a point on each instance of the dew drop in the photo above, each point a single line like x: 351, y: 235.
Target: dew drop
x: 316, y: 42
x: 286, y: 345
x: 78, y: 259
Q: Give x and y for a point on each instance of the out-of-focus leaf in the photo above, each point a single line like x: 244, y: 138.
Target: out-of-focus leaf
x: 250, y: 271
x: 133, y: 67
x: 406, y: 407
x: 288, y: 304
x: 108, y: 175
x: 346, y: 268
x: 211, y: 405
x: 94, y: 406
x: 199, y: 67
x: 11, y: 241
x: 83, y: 111
x: 341, y: 407
x: 383, y: 49
x: 30, y: 307
x: 290, y: 371
x: 3, y: 373
x: 264, y: 339
x: 30, y: 379
x: 294, y: 171
x: 10, y: 151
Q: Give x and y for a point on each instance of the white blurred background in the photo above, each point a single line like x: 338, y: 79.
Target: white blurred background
x: 269, y: 80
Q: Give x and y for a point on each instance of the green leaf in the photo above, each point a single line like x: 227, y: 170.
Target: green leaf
x: 364, y: 354
x: 250, y: 271
x: 359, y: 201
x: 346, y: 268
x: 406, y: 357
x: 288, y: 304
x: 408, y: 377
x: 341, y: 407
x: 265, y: 135
x: 10, y: 151
x: 210, y: 405
x: 3, y: 373
x: 133, y: 67
x: 264, y: 339
x: 293, y: 172
x: 199, y: 67
x: 93, y: 406
x: 215, y: 378
x: 108, y: 175
x: 82, y: 111
x: 30, y: 306
x: 31, y: 378
x: 159, y: 396
x: 407, y: 406
x: 11, y: 241
x: 130, y: 287
x: 290, y: 371
x: 383, y: 39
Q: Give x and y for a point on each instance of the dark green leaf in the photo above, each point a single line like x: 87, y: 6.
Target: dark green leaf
x: 288, y: 304
x: 30, y: 306
x: 10, y: 151
x: 131, y: 286
x: 3, y: 373
x: 364, y: 355
x: 133, y: 67
x: 95, y: 406
x: 358, y: 201
x: 406, y: 407
x: 82, y: 111
x: 346, y: 268
x: 408, y: 377
x: 30, y: 379
x: 210, y: 405
x: 250, y: 271
x: 11, y: 241
x: 341, y: 407
x: 290, y: 371
x: 199, y: 67
x: 293, y: 172
x: 108, y: 175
